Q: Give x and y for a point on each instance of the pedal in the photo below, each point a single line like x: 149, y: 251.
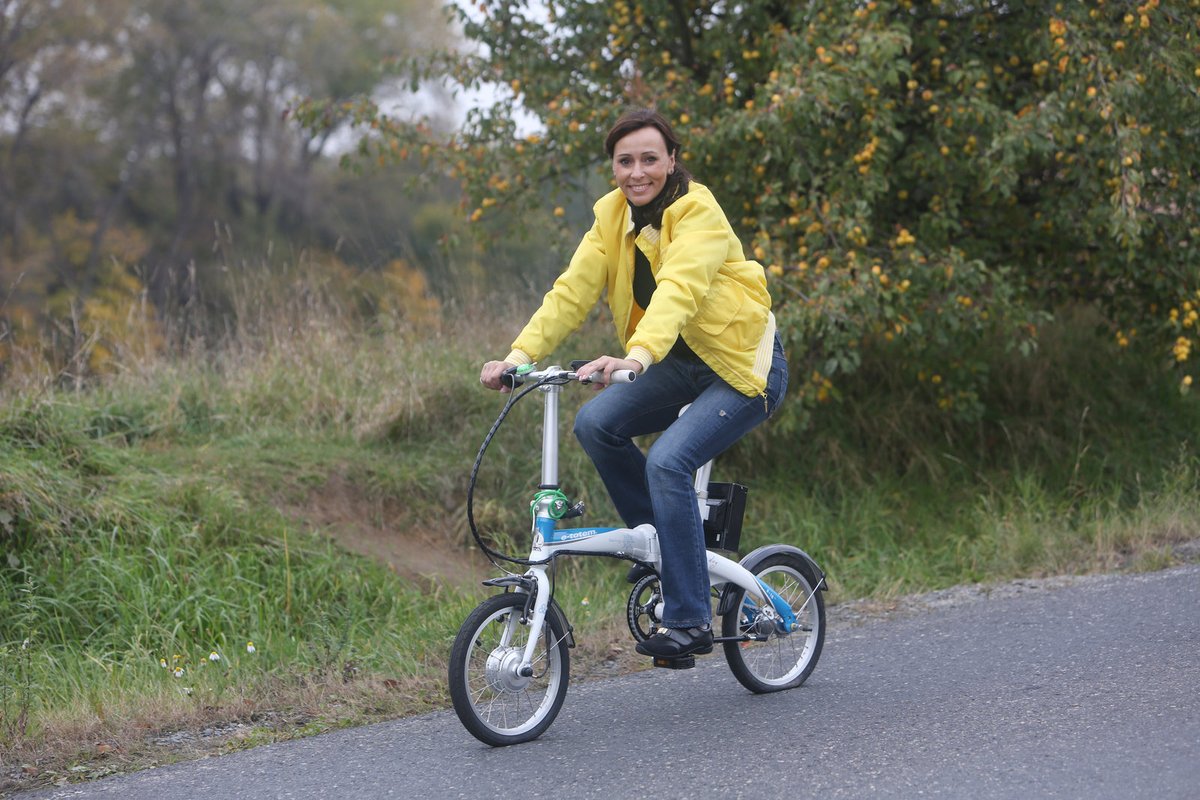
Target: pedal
x: 682, y: 662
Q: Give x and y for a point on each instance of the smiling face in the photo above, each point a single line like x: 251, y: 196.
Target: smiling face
x: 641, y: 164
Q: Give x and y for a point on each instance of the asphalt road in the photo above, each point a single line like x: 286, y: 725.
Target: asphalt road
x: 1090, y: 690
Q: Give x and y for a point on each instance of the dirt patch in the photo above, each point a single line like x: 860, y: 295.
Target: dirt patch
x: 383, y: 529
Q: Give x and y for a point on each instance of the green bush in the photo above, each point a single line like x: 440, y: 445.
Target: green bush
x: 924, y: 176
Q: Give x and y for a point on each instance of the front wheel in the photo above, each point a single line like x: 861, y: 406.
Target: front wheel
x: 769, y: 658
x: 494, y: 701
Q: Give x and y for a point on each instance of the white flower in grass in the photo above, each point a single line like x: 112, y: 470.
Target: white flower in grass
x: 178, y: 672
x: 249, y: 647
x: 214, y: 656
x: 162, y: 662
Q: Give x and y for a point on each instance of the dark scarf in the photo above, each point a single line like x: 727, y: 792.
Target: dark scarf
x: 651, y: 214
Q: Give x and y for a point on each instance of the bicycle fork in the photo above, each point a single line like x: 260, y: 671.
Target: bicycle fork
x: 541, y: 604
x: 535, y: 585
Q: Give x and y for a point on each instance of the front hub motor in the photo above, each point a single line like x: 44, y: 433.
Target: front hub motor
x: 503, y: 670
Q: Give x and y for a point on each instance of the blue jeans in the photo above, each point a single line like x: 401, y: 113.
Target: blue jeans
x: 657, y: 487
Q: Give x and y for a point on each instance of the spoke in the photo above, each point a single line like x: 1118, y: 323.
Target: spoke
x: 488, y: 709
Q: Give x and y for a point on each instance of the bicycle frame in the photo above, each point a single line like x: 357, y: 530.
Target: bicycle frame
x: 639, y: 544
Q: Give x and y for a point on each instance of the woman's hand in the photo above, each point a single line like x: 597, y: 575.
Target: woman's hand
x: 602, y: 368
x: 489, y: 376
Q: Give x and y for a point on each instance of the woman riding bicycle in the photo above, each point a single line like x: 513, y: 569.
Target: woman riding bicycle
x: 692, y: 314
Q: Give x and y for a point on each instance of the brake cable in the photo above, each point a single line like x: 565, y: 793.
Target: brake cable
x: 493, y: 555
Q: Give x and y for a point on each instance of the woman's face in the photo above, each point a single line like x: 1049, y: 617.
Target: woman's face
x: 641, y: 164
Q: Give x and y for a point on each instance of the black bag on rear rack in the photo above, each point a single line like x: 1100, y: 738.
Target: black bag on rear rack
x: 726, y: 506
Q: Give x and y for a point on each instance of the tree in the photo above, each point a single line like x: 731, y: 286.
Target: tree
x: 917, y: 176
x: 47, y: 52
x: 216, y: 79
x: 161, y: 120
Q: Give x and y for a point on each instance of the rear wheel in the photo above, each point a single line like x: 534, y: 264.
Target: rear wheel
x: 773, y: 657
x: 494, y: 701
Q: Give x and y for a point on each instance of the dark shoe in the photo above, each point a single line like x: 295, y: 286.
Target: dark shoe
x: 637, y: 572
x: 676, y: 642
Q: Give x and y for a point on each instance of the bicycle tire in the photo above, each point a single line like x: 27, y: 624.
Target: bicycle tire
x: 785, y: 659
x: 494, y: 703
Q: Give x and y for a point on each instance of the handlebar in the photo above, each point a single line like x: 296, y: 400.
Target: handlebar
x: 515, y: 376
x: 512, y: 378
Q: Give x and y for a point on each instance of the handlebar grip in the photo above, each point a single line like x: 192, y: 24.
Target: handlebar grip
x: 617, y: 376
x: 510, y: 378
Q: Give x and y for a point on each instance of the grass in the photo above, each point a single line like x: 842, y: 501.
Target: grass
x: 189, y: 506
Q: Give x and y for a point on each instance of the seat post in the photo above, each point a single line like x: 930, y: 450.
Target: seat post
x: 701, y: 486
x: 701, y: 482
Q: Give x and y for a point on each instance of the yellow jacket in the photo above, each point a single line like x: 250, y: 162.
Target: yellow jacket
x: 707, y: 291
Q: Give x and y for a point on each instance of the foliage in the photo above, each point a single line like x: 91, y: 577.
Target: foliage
x: 137, y: 136
x: 917, y: 176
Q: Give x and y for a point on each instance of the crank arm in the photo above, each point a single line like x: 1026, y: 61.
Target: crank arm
x: 739, y: 639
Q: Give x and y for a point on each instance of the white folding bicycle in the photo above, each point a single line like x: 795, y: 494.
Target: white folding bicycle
x: 509, y: 666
